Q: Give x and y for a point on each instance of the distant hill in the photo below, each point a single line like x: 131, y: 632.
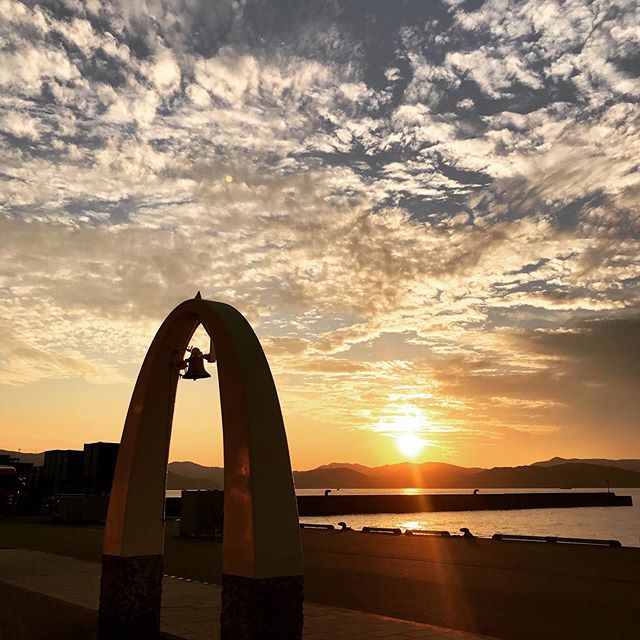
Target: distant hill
x: 176, y: 481
x: 572, y: 474
x: 332, y: 478
x: 316, y: 478
x: 192, y: 470
x: 427, y: 474
x: 406, y: 474
x: 360, y: 468
x: 629, y: 464
x: 438, y: 475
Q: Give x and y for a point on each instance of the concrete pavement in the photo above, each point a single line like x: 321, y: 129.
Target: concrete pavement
x: 514, y: 590
x: 191, y: 609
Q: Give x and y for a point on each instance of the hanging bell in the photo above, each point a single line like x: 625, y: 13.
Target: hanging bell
x: 195, y: 366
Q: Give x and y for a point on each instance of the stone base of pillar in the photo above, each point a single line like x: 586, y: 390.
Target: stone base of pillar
x: 261, y: 608
x: 130, y: 595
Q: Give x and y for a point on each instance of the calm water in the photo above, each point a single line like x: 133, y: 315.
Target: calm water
x: 618, y: 523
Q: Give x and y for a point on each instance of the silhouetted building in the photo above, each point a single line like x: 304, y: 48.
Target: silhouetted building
x: 99, y: 466
x: 63, y: 471
x: 9, y: 489
x: 33, y: 479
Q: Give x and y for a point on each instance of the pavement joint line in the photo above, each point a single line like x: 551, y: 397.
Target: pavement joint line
x: 192, y: 580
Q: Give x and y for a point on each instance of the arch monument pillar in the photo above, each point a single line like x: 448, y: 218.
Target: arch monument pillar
x: 262, y: 555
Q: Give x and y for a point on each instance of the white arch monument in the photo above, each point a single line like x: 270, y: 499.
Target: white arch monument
x: 262, y: 556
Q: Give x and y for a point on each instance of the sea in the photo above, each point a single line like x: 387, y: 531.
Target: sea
x: 606, y: 523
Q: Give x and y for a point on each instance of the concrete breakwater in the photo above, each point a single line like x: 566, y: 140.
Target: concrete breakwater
x: 333, y: 505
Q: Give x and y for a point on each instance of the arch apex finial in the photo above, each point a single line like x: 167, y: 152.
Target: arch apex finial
x: 198, y: 296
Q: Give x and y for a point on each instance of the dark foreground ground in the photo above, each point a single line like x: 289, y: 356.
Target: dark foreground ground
x: 25, y: 615
x: 511, y: 590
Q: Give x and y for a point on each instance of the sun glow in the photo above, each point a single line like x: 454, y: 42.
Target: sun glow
x: 410, y: 445
x: 410, y: 426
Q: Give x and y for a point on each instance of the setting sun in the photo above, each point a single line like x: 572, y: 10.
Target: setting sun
x: 410, y: 445
x: 408, y: 425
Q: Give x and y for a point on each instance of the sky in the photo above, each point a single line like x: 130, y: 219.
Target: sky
x: 428, y: 211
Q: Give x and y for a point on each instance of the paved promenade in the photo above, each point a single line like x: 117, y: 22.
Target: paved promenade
x: 513, y: 590
x: 191, y: 609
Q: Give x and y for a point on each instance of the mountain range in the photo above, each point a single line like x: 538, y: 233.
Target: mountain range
x: 554, y: 473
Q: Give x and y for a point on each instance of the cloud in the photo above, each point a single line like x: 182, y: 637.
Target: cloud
x: 19, y: 125
x: 285, y: 346
x: 607, y: 350
x: 22, y: 362
x: 450, y: 173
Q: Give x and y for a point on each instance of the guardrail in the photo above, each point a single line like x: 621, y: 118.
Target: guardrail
x: 427, y: 532
x: 507, y: 537
x: 464, y: 533
x: 390, y: 531
x: 309, y: 525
